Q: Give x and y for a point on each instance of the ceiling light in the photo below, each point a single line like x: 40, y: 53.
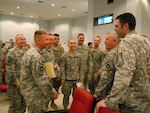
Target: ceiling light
x: 73, y: 9
x: 18, y: 7
x: 11, y: 13
x: 59, y: 15
x: 53, y: 4
x: 31, y: 16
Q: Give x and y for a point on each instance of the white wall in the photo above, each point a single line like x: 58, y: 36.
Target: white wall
x: 139, y: 8
x: 80, y: 26
x: 145, y: 17
x: 102, y: 8
x: 12, y: 25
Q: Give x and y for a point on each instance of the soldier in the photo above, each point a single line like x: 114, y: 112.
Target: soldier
x: 48, y: 52
x: 11, y: 46
x: 71, y: 68
x: 90, y: 45
x: 49, y: 57
x: 107, y: 68
x: 4, y: 51
x: 132, y: 65
x: 86, y: 58
x: 13, y: 66
x: 97, y: 56
x: 58, y: 51
x: 35, y: 83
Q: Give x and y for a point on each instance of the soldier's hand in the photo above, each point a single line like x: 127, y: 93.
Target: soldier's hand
x: 100, y: 104
x: 90, y: 71
x: 62, y: 82
x: 55, y: 96
x: 81, y: 80
x: 18, y: 85
x: 98, y: 73
x: 55, y: 67
x: 95, y: 95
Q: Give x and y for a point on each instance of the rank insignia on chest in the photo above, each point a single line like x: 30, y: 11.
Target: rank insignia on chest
x: 9, y: 61
x: 107, y: 66
x: 41, y: 68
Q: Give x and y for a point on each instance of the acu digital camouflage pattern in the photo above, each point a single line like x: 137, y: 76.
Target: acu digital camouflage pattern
x: 86, y: 61
x: 58, y: 51
x: 71, y: 70
x: 13, y: 67
x: 97, y: 57
x: 107, y: 75
x: 71, y: 66
x: 131, y: 86
x: 4, y: 52
x: 35, y: 83
x: 49, y: 55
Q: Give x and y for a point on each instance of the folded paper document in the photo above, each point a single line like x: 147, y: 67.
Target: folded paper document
x: 50, y: 70
x: 80, y: 84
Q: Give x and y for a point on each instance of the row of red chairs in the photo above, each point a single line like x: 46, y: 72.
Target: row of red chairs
x: 83, y: 102
x: 3, y: 86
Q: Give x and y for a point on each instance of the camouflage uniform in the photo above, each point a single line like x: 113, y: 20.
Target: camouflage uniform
x: 130, y: 91
x: 35, y: 83
x: 49, y: 55
x: 107, y: 75
x: 97, y: 56
x: 58, y: 51
x: 1, y: 62
x: 71, y: 67
x: 4, y: 52
x: 13, y: 66
x: 86, y: 61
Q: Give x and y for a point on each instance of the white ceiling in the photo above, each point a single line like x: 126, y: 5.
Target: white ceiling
x: 42, y: 8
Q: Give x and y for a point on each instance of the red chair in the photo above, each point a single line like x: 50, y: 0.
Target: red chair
x: 3, y: 87
x: 106, y: 110
x: 83, y: 102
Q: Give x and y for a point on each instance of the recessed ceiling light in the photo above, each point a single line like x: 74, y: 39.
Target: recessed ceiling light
x: 18, y: 7
x: 53, y: 5
x: 73, y: 9
x: 11, y: 13
x: 31, y: 16
x: 59, y: 15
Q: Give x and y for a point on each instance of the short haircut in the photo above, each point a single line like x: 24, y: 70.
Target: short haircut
x: 71, y: 39
x: 38, y: 33
x: 115, y: 36
x: 80, y: 34
x: 98, y: 37
x: 18, y: 36
x: 89, y: 43
x: 127, y: 18
x: 57, y: 35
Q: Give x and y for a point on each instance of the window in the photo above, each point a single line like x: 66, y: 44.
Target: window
x: 106, y: 19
